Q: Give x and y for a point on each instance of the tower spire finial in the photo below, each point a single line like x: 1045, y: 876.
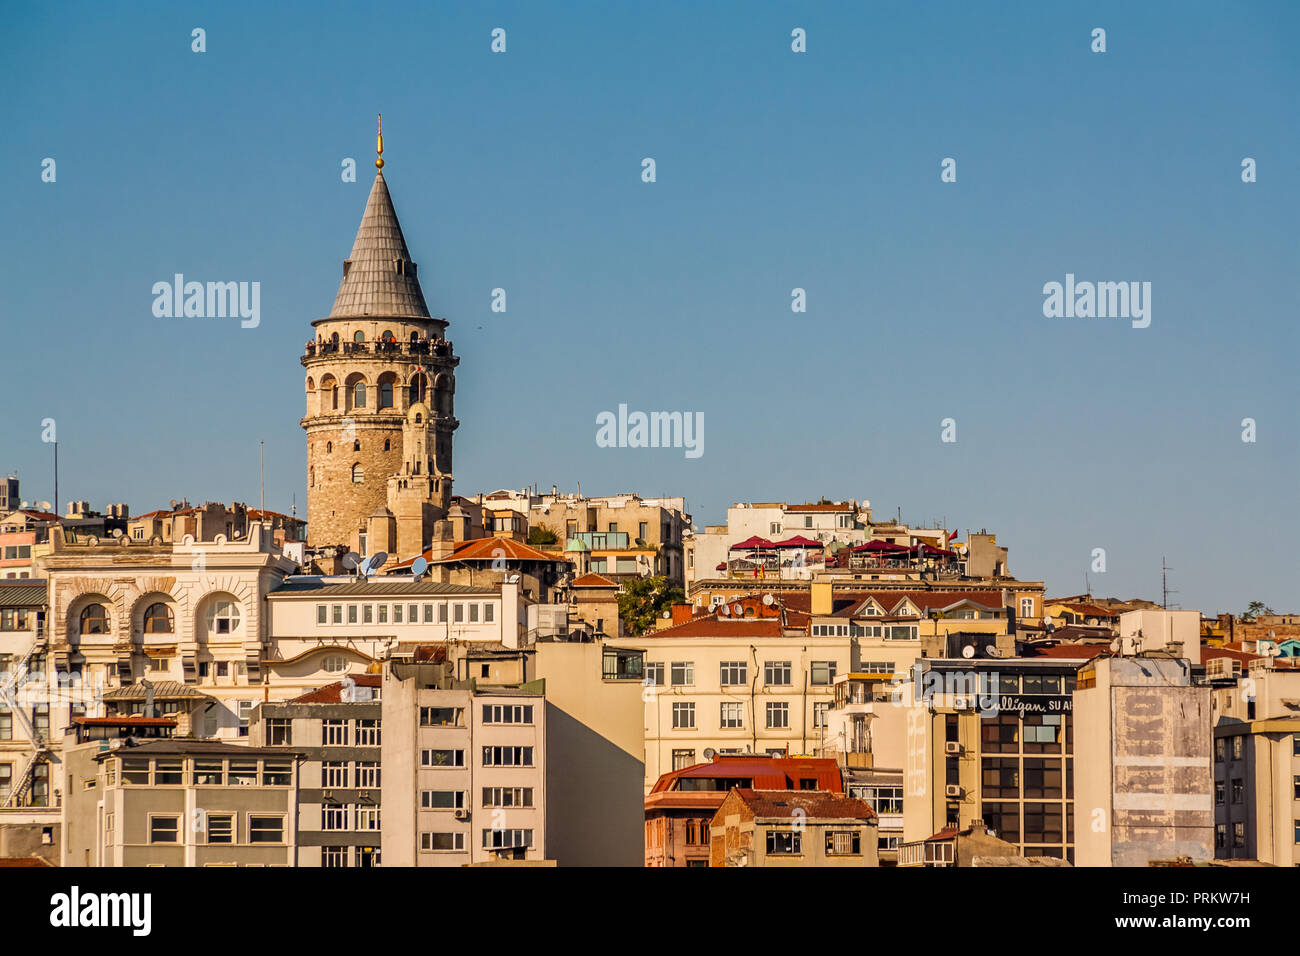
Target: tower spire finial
x: 379, y: 144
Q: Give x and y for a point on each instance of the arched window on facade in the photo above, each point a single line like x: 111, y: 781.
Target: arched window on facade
x: 359, y: 395
x: 94, y: 619
x: 158, y: 619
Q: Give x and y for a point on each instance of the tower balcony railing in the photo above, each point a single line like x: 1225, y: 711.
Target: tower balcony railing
x: 439, y: 348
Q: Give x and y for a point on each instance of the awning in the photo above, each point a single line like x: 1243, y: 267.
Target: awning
x: 754, y: 543
x: 798, y: 541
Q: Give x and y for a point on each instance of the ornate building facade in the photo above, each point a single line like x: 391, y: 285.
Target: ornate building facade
x: 380, y: 399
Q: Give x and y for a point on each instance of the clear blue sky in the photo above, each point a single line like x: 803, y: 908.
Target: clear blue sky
x: 775, y: 170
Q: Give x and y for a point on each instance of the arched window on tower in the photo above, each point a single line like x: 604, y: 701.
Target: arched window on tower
x: 388, y: 335
x: 419, y: 389
x: 334, y: 339
x: 388, y: 445
x: 358, y: 336
x: 358, y: 474
x: 384, y: 391
x: 329, y: 446
x: 334, y: 397
x: 356, y: 445
x: 359, y: 395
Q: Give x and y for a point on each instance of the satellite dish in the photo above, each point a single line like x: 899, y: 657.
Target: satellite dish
x: 724, y: 610
x: 419, y: 566
x: 365, y: 567
x: 377, y: 561
x: 992, y: 651
x: 738, y: 609
x: 709, y: 753
x: 666, y: 615
x: 968, y: 651
x: 1114, y: 646
x: 351, y: 560
x: 768, y: 600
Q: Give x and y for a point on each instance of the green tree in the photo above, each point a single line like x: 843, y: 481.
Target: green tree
x: 1254, y: 610
x: 643, y: 600
x: 542, y: 534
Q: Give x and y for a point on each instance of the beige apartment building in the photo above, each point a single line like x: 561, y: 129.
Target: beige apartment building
x: 465, y: 768
x: 736, y: 683
x: 583, y: 725
x: 1143, y: 776
x: 1257, y: 763
x: 178, y: 802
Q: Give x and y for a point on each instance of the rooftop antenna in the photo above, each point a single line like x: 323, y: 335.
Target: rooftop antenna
x: 262, y: 462
x: 1164, y: 583
x: 56, y: 477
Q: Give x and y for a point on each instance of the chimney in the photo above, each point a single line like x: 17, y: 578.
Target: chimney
x: 682, y: 613
x: 821, y: 597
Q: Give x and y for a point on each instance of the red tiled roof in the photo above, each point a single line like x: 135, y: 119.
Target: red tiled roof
x: 593, y: 580
x: 775, y: 773
x: 711, y: 625
x: 23, y: 861
x: 39, y: 515
x: 815, y: 804
x: 490, y: 549
x: 1085, y: 652
x: 333, y: 693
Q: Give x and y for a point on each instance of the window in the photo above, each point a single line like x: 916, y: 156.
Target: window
x: 1220, y: 836
x: 333, y: 856
x: 507, y: 756
x: 243, y: 773
x: 245, y: 709
x: 277, y: 773
x: 1237, y: 744
x: 507, y: 796
x: 778, y: 715
x: 367, y: 614
x: 358, y: 474
x: 334, y: 773
x: 368, y: 733
x: 683, y: 673
x: 322, y: 614
x: 367, y: 818
x: 209, y: 773
x: 359, y: 394
x: 823, y: 673
x: 223, y: 617
x: 784, y: 843
x: 683, y: 715
x: 1219, y: 793
x: 135, y: 772
x: 442, y: 799
x: 489, y: 613
x: 169, y: 773
x: 397, y: 614
x: 352, y: 614
x: 1238, y: 790
x: 733, y: 715
x: 1026, y: 607
x: 263, y: 829
x: 654, y: 674
x: 336, y: 613
x: 334, y: 816
x: 1239, y: 834
x: 94, y: 619
x: 1220, y: 749
x: 442, y: 758
x: 334, y: 733
x: 279, y: 732
x: 164, y: 829
x: 385, y: 396
x: 434, y: 842
x: 221, y: 828
x: 843, y: 843
x: 881, y: 799
x: 158, y: 619
x: 821, y: 713
x: 507, y: 713
x: 383, y: 614
x: 776, y: 673
x: 734, y: 673
x: 507, y: 839
x: 367, y: 773
x: 440, y: 716
x: 6, y: 781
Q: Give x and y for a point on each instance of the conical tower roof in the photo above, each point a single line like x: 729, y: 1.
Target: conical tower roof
x: 379, y: 277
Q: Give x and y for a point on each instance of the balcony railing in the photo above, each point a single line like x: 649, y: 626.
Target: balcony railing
x: 440, y: 348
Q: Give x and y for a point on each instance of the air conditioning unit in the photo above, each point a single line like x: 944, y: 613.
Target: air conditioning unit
x: 952, y: 747
x: 461, y: 814
x: 952, y: 790
x: 962, y: 702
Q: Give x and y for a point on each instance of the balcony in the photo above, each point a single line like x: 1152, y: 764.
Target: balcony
x: 434, y: 348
